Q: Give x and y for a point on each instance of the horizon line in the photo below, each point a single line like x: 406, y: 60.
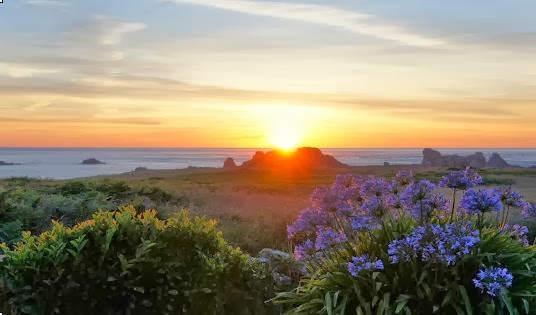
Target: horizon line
x: 265, y: 148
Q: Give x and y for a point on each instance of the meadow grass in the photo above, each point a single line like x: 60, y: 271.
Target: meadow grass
x: 253, y: 207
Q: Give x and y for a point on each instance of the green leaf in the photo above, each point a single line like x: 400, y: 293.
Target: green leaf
x: 466, y: 300
x: 505, y: 298
x: 401, y: 303
x: 328, y: 303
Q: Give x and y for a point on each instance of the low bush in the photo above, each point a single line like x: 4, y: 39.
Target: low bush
x: 30, y: 205
x: 397, y: 246
x: 127, y: 263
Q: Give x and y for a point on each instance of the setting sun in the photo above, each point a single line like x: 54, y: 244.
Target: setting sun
x: 286, y: 138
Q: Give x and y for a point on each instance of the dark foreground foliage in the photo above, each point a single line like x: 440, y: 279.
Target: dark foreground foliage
x: 127, y: 263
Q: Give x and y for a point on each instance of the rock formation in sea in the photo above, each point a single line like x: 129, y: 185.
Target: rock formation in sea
x: 433, y: 157
x: 229, y: 163
x: 300, y: 159
x: 3, y: 163
x: 140, y: 169
x: 92, y: 161
x: 497, y: 161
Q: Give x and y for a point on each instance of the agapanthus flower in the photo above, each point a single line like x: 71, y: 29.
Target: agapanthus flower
x: 376, y: 186
x: 420, y: 200
x: 327, y: 238
x: 481, y: 201
x: 518, y: 232
x: 364, y: 263
x: 363, y: 223
x: 435, y: 243
x: 492, y: 280
x: 327, y: 199
x: 308, y: 222
x: 461, y: 180
x: 529, y: 209
x: 510, y: 198
x: 305, y: 251
x: 404, y: 178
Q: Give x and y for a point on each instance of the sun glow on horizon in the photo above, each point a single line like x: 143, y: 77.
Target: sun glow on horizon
x: 287, y: 127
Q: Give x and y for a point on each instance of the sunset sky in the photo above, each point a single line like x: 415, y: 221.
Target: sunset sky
x: 244, y: 73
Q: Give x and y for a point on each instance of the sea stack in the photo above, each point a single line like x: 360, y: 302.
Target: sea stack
x: 300, y: 159
x: 434, y: 158
x: 3, y: 163
x: 229, y: 163
x: 92, y: 161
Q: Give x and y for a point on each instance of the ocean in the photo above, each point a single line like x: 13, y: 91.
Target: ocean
x: 65, y: 163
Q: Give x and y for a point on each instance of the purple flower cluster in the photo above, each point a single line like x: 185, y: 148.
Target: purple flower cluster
x: 493, y: 280
x: 305, y: 251
x: 327, y: 238
x: 529, y: 210
x: 363, y: 263
x: 510, y: 198
x: 308, y: 221
x: 404, y: 178
x: 461, y: 180
x: 420, y: 200
x: 481, y: 201
x: 363, y: 224
x: 518, y: 232
x: 435, y: 243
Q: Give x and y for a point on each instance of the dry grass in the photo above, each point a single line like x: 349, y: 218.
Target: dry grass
x: 254, y: 207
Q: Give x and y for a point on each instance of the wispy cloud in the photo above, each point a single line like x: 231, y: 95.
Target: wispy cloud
x: 22, y: 71
x: 330, y: 16
x: 110, y: 31
x: 49, y: 3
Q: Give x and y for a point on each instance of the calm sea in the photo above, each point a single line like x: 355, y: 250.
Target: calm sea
x: 65, y: 163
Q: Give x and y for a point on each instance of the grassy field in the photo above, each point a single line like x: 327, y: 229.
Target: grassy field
x: 254, y: 207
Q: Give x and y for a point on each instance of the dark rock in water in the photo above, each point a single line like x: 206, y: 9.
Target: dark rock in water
x: 497, y: 161
x: 477, y: 160
x: 229, y: 163
x: 140, y: 169
x: 92, y: 162
x: 435, y: 158
x: 386, y: 163
x: 2, y: 163
x: 301, y: 159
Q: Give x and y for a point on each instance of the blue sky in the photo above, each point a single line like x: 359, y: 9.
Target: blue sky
x: 451, y: 73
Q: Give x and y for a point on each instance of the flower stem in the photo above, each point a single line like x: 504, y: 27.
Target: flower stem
x: 453, y: 211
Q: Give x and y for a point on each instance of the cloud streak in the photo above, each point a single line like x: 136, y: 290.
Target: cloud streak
x: 49, y: 3
x: 352, y: 21
x: 111, y: 31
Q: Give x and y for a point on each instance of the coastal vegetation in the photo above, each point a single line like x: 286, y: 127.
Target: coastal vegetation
x: 79, y: 230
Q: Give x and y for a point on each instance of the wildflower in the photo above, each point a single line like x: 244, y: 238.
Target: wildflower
x: 375, y: 186
x: 435, y: 243
x: 481, y: 201
x: 518, y: 232
x: 493, y: 280
x: 363, y: 223
x: 305, y: 251
x: 308, y: 222
x: 419, y: 198
x: 326, y: 199
x: 327, y: 238
x: 529, y: 209
x: 404, y: 178
x: 461, y: 180
x: 364, y: 263
x: 510, y: 198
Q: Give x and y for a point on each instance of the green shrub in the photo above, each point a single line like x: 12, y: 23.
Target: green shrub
x: 128, y: 263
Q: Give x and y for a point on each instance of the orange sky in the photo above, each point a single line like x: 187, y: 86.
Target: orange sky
x: 250, y: 73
